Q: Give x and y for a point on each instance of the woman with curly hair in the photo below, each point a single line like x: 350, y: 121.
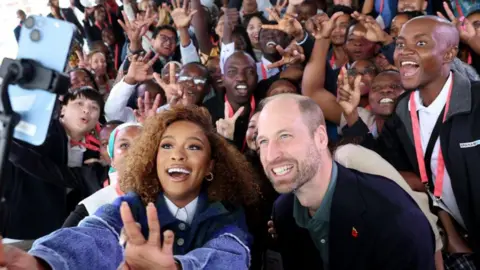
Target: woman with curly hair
x: 194, y: 184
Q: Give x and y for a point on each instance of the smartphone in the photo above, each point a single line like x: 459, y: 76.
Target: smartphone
x: 47, y: 41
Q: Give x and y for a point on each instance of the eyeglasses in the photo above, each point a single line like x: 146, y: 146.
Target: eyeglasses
x: 196, y: 80
x: 366, y: 71
x: 164, y: 38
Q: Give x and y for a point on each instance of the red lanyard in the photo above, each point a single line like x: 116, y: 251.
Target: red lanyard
x: 418, y: 145
x: 231, y: 112
x: 459, y: 8
x: 264, y: 72
x: 332, y: 61
x: 90, y: 140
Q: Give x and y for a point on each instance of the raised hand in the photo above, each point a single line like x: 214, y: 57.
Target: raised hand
x: 291, y: 55
x: 83, y: 60
x: 464, y: 26
x: 13, y: 258
x: 226, y: 126
x: 182, y: 16
x: 374, y: 31
x: 322, y: 25
x: 151, y: 253
x: 280, y: 5
x: 348, y: 95
x: 146, y: 108
x: 173, y: 91
x: 134, y: 30
x: 146, y: 19
x: 288, y: 24
x: 140, y: 68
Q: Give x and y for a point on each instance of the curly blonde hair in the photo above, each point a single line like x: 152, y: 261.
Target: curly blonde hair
x: 234, y: 179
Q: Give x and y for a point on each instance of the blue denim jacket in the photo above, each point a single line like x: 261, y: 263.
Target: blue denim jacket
x: 216, y: 239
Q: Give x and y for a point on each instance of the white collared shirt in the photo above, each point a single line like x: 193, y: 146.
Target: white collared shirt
x: 427, y: 118
x: 75, y: 154
x: 184, y: 214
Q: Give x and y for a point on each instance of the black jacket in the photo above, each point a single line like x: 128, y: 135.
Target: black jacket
x: 462, y: 161
x: 391, y: 231
x: 35, y: 181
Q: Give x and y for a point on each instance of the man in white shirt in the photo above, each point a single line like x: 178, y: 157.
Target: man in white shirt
x: 431, y: 138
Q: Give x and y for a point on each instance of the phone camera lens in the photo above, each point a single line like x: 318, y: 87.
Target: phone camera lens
x: 35, y: 35
x: 29, y: 22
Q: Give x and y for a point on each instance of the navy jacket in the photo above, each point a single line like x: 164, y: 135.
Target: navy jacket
x: 391, y: 231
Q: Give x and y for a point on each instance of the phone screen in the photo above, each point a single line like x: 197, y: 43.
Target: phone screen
x: 47, y: 41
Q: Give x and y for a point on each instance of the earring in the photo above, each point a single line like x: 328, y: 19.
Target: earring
x: 209, y: 177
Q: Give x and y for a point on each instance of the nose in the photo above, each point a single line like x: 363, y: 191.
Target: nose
x: 241, y: 76
x: 178, y: 154
x: 272, y: 152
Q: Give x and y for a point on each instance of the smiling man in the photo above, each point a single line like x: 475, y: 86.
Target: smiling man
x: 240, y: 81
x: 433, y: 137
x: 345, y: 213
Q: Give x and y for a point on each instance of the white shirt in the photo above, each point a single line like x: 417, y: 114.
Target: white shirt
x: 184, y: 214
x: 75, y: 154
x: 427, y: 118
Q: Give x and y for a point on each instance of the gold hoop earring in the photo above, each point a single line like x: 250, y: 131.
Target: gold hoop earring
x: 209, y: 177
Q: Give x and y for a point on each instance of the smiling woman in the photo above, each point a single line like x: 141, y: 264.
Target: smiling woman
x: 195, y: 185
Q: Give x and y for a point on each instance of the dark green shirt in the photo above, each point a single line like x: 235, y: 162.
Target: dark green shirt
x: 319, y: 224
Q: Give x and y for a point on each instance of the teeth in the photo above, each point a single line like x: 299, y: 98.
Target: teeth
x: 282, y: 170
x: 404, y: 63
x: 271, y: 43
x: 219, y: 81
x: 386, y: 100
x: 241, y: 86
x: 178, y: 170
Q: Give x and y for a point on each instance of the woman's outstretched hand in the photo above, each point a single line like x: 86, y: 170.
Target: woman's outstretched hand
x: 151, y: 253
x: 13, y: 258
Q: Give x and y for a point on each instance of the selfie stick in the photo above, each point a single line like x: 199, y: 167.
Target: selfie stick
x: 28, y: 74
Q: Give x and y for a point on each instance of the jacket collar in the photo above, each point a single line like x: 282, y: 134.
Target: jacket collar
x: 460, y: 102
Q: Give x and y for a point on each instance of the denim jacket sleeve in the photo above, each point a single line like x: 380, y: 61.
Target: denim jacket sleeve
x: 94, y: 244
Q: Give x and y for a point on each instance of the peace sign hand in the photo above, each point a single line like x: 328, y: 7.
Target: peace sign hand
x: 83, y: 60
x: 464, y: 26
x: 226, y: 126
x: 181, y: 15
x: 151, y: 253
x: 288, y: 24
x: 322, y: 25
x: 293, y: 54
x: 280, y: 5
x: 348, y: 96
x: 173, y: 91
x: 140, y: 68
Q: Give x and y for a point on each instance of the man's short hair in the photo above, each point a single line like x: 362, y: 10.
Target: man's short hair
x: 85, y: 92
x: 311, y: 113
x: 157, y: 30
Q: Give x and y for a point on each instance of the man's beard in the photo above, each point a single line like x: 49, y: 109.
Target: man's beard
x: 306, y: 168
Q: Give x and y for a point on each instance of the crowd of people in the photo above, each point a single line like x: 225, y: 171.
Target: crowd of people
x: 294, y: 134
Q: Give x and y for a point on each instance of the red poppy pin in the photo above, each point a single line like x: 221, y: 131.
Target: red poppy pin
x: 354, y: 232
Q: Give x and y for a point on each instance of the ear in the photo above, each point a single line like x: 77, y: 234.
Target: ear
x: 211, y: 166
x: 425, y: 5
x: 321, y: 137
x: 62, y: 111
x: 450, y: 54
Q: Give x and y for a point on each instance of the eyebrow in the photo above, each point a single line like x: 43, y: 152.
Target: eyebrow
x: 189, y: 138
x: 276, y: 133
